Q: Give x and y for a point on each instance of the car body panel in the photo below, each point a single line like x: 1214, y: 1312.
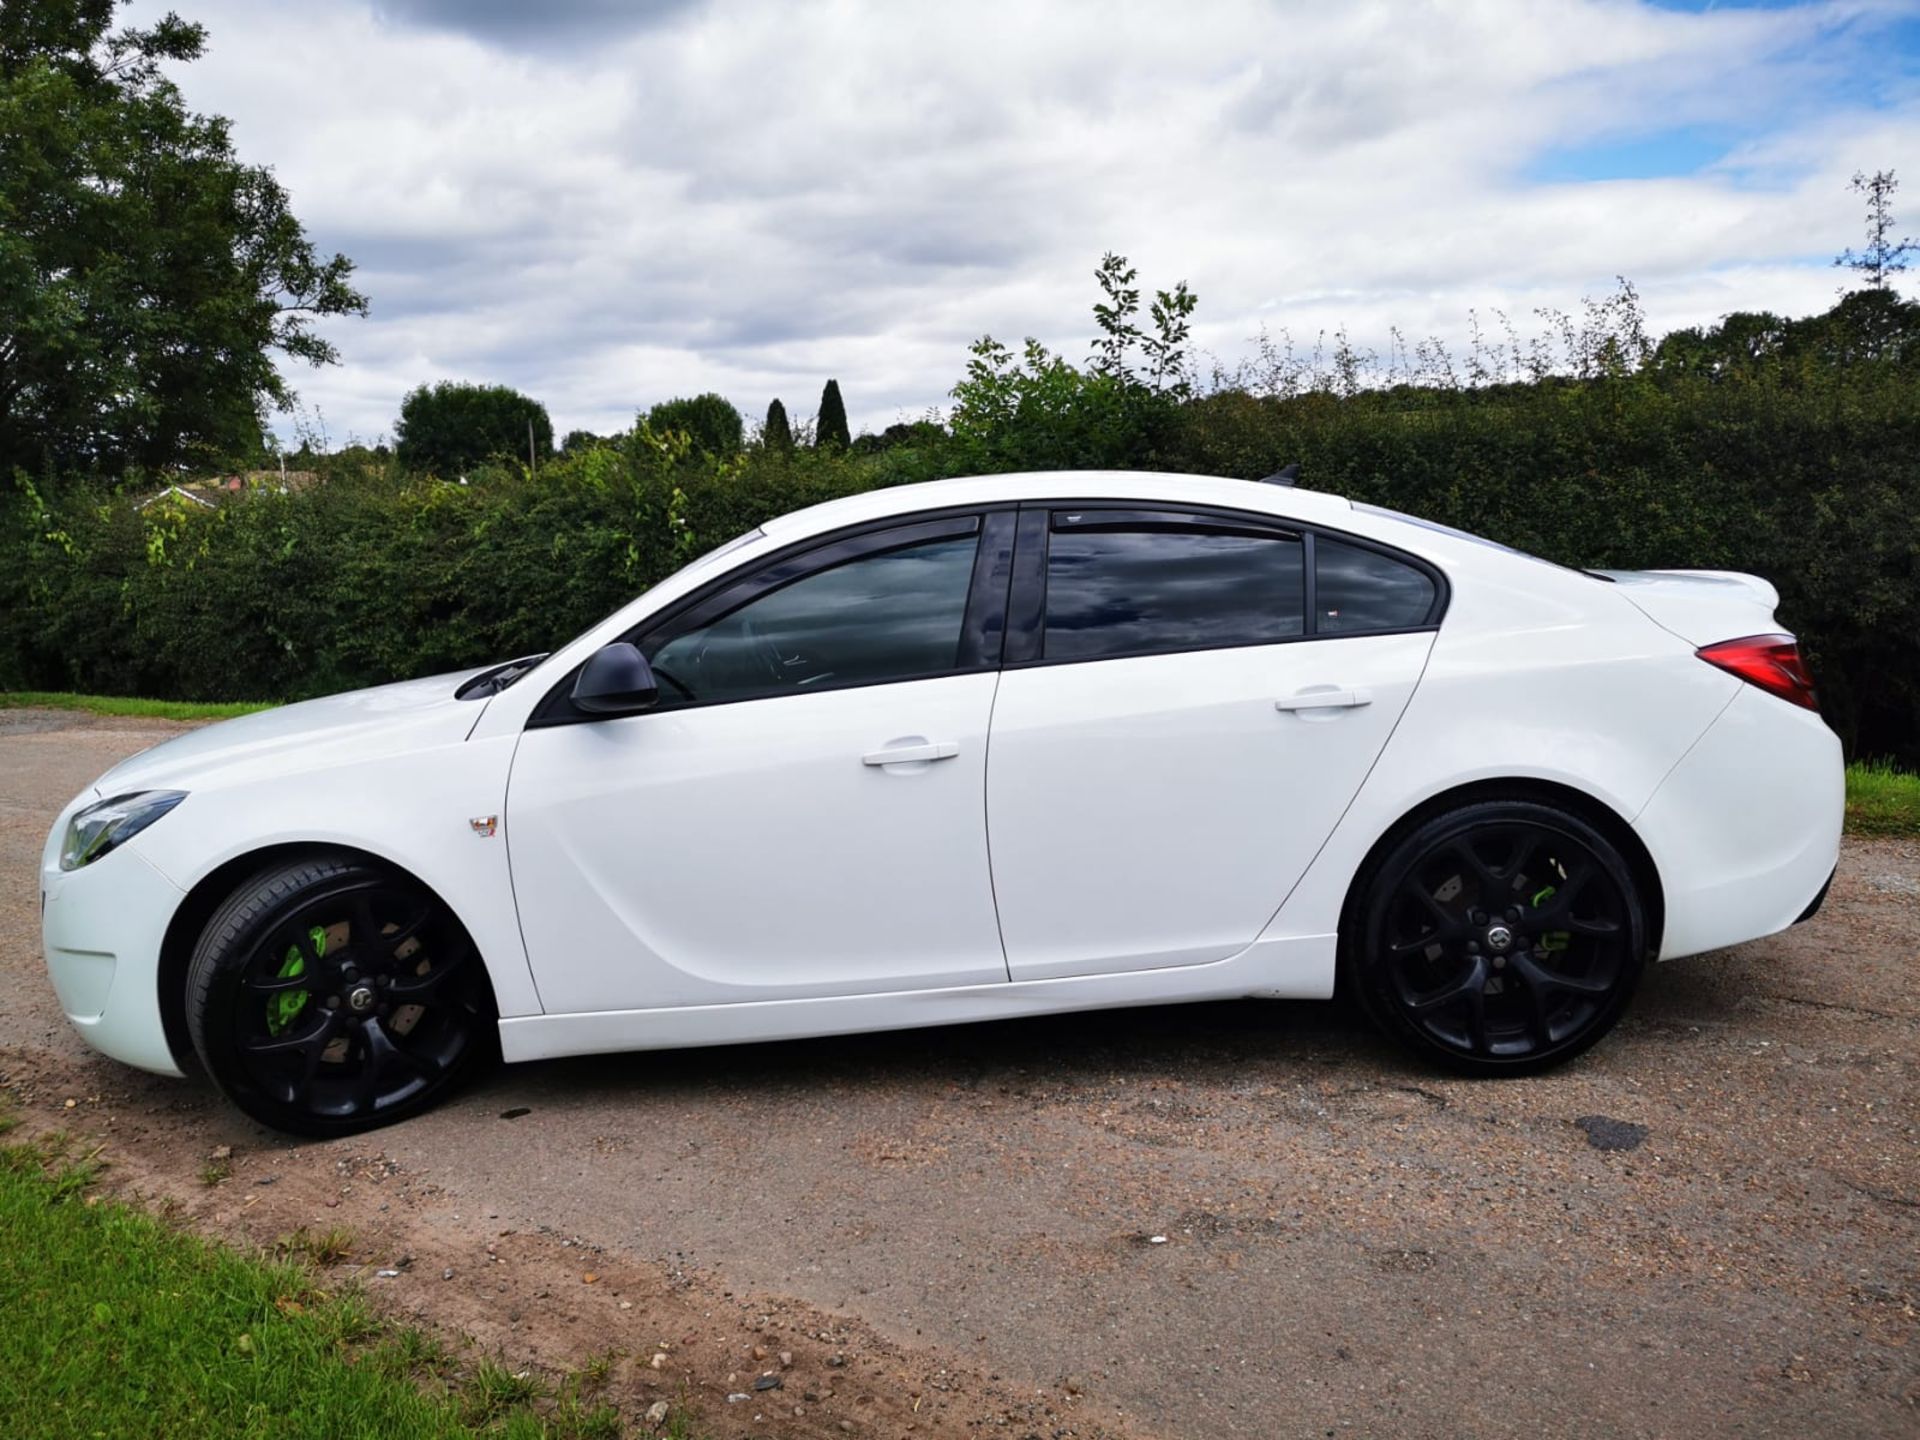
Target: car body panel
x: 1745, y: 830
x: 744, y: 852
x: 1150, y: 811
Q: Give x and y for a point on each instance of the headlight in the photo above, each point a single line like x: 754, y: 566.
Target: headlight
x: 94, y: 831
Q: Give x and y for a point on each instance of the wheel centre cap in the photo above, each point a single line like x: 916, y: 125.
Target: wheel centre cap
x: 1499, y: 939
x: 360, y: 999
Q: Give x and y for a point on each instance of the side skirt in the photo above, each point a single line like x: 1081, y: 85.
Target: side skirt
x: 1296, y: 967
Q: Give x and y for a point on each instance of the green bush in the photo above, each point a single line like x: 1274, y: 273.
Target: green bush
x: 709, y: 421
x: 449, y: 428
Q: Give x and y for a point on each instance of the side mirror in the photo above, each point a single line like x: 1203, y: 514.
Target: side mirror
x: 616, y: 680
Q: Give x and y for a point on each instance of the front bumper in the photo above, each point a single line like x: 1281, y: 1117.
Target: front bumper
x: 101, y: 928
x: 1745, y: 831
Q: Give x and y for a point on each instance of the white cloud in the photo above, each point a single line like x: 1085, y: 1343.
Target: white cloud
x: 631, y: 203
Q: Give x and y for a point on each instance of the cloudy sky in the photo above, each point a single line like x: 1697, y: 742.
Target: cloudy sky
x: 610, y: 202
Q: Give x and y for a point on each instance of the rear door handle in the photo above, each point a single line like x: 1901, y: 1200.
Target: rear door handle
x: 909, y: 754
x: 1327, y: 699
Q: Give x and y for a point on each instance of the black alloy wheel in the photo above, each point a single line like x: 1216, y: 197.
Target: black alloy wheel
x: 1500, y: 938
x: 328, y: 997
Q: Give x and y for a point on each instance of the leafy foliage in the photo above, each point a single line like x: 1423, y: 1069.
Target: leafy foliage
x: 448, y: 429
x: 146, y: 275
x: 708, y: 421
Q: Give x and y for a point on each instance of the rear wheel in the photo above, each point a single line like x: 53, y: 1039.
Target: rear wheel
x: 1500, y: 938
x: 329, y: 996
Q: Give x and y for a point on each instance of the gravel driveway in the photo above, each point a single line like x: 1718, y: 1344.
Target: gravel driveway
x: 1250, y: 1219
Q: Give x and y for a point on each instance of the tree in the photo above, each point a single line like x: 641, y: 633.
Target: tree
x: 1884, y: 256
x: 146, y: 276
x: 709, y: 421
x: 830, y: 431
x: 449, y: 428
x: 777, y: 434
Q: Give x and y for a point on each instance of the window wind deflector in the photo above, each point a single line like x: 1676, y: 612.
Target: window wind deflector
x: 1092, y: 519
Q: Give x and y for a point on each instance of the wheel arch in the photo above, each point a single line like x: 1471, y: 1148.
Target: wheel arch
x: 1597, y: 813
x: 207, y: 894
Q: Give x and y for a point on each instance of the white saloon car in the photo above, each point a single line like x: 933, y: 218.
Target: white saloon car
x: 961, y: 751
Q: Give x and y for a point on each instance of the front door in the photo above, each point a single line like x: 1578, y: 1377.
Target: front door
x: 802, y: 814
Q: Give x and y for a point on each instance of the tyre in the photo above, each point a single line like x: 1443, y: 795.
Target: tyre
x: 329, y: 996
x: 1500, y: 938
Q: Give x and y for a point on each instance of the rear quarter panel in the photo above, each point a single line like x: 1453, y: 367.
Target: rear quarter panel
x: 1537, y: 674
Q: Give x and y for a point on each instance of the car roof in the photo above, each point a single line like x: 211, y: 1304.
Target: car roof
x: 1135, y: 485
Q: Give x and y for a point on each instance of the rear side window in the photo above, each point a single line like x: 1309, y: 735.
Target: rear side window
x: 1142, y: 586
x: 1358, y: 590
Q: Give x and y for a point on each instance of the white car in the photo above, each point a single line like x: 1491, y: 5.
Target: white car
x: 962, y: 751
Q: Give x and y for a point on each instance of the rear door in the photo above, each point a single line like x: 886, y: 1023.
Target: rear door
x: 1190, y: 701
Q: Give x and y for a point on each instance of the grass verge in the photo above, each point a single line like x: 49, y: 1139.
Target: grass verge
x: 117, y: 1325
x: 120, y: 705
x: 1882, y: 800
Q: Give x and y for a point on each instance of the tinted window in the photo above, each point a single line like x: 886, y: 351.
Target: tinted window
x: 1356, y: 590
x: 893, y: 615
x: 1145, y: 589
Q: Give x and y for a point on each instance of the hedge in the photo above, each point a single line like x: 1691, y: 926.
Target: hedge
x: 376, y: 575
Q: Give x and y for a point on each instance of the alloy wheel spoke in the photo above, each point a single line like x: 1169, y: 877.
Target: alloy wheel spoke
x: 1538, y: 975
x: 313, y: 1038
x: 1448, y: 925
x: 281, y: 984
x: 1488, y: 876
x: 369, y: 932
x: 1469, y: 985
x: 1595, y: 925
x: 1536, y: 983
x: 384, y: 1056
x: 417, y: 989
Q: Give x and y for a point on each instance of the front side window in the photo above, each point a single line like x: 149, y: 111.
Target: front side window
x: 1358, y: 590
x: 1141, y: 587
x: 883, y: 616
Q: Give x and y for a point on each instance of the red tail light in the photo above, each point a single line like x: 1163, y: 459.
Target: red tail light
x: 1772, y: 662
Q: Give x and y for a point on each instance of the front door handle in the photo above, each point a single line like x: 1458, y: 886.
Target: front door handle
x: 1328, y: 698
x: 913, y: 753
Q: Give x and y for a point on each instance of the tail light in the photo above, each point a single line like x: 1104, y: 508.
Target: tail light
x: 1773, y: 662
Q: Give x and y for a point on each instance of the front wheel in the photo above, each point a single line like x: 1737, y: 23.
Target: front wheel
x: 1500, y: 938
x: 328, y: 996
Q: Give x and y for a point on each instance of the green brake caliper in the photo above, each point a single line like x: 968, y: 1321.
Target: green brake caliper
x: 284, y: 1008
x: 1552, y: 940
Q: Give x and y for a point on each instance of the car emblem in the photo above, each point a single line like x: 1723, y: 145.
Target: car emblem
x: 484, y: 825
x: 1499, y: 939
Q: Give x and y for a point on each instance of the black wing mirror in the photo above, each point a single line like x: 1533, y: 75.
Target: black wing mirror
x: 616, y: 680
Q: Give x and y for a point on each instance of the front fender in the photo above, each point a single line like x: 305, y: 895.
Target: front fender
x: 415, y: 810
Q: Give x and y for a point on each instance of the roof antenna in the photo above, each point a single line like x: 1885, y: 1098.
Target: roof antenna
x: 1285, y: 475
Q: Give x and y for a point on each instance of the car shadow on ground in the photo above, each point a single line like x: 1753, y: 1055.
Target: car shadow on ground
x: 1214, y: 1044
x: 1202, y: 1044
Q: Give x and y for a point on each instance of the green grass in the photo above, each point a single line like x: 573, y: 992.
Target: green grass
x: 1882, y: 800
x: 117, y: 1325
x: 119, y: 705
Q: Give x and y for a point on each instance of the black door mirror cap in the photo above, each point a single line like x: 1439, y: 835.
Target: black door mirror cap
x: 616, y: 680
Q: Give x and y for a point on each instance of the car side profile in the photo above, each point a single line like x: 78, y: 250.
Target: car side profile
x: 982, y: 748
